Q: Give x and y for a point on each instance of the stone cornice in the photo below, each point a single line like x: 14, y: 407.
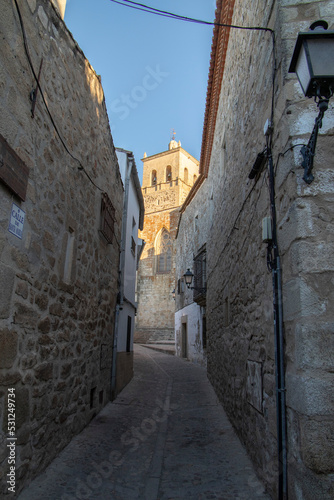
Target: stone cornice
x: 170, y: 151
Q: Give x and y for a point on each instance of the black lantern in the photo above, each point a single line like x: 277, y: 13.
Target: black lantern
x: 188, y: 277
x: 313, y: 62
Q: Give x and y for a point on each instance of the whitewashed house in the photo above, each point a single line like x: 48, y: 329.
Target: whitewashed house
x: 131, y: 247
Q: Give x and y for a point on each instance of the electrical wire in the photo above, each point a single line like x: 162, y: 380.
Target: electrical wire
x: 280, y: 155
x: 26, y: 48
x: 151, y: 10
x: 163, y: 13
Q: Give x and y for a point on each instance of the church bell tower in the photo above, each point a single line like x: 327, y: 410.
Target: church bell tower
x: 167, y: 180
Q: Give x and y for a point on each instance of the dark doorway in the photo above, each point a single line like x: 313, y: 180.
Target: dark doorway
x: 128, y: 336
x: 184, y: 340
x: 204, y: 331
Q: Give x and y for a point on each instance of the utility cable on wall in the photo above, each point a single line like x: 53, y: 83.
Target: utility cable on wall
x: 26, y: 48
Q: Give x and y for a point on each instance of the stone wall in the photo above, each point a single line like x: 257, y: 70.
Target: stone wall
x: 58, y: 281
x: 154, y: 290
x: 241, y: 357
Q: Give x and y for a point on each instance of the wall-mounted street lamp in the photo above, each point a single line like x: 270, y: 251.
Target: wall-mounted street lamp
x: 313, y: 62
x: 188, y: 278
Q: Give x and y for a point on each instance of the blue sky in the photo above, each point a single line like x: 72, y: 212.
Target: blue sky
x: 154, y: 70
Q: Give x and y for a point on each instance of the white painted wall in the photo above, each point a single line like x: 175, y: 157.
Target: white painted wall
x: 131, y: 232
x: 130, y: 227
x: 191, y: 315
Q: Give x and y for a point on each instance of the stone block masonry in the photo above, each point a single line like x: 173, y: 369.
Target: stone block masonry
x: 58, y: 281
x: 240, y: 322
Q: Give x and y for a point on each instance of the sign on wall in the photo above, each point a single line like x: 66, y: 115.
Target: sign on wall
x: 16, y: 222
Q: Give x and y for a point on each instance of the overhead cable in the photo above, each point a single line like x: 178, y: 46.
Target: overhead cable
x: 171, y: 15
x: 163, y: 13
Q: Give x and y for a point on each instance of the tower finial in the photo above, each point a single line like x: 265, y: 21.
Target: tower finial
x: 173, y: 144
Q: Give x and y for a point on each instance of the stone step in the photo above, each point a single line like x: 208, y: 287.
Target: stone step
x: 164, y: 348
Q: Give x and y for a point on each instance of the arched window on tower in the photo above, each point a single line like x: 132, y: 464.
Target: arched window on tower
x: 186, y: 175
x: 154, y: 178
x: 168, y: 173
x: 195, y: 177
x: 164, y: 248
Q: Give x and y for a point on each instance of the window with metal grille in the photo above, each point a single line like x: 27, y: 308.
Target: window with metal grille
x: 107, y: 220
x: 200, y: 277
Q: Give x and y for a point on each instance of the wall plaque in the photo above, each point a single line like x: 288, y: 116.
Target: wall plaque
x: 13, y: 171
x: 16, y: 222
x: 254, y: 384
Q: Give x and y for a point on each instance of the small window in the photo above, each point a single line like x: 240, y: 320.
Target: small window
x: 154, y: 178
x: 134, y: 237
x: 222, y: 163
x: 168, y: 173
x: 133, y: 246
x: 107, y: 218
x: 194, y: 179
x: 200, y: 277
x: 204, y: 331
x: 92, y: 397
x: 180, y: 286
x: 69, y: 256
x: 196, y: 223
x: 186, y: 175
x: 226, y: 312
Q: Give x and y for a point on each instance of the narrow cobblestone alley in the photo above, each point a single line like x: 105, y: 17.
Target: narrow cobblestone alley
x: 165, y: 437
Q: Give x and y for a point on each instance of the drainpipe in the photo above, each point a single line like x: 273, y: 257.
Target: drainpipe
x: 275, y: 265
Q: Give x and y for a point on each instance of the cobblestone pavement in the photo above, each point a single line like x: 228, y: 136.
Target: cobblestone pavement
x: 165, y: 437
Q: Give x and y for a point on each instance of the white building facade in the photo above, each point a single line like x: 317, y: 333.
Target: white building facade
x: 131, y: 247
x: 190, y: 301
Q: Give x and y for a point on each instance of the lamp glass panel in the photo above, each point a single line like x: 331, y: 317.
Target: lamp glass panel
x: 322, y: 56
x: 302, y: 69
x: 188, y: 278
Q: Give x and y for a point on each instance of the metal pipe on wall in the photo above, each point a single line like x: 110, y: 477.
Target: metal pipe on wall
x: 279, y: 342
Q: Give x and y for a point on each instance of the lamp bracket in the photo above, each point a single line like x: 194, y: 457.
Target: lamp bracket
x: 323, y: 94
x: 308, y: 151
